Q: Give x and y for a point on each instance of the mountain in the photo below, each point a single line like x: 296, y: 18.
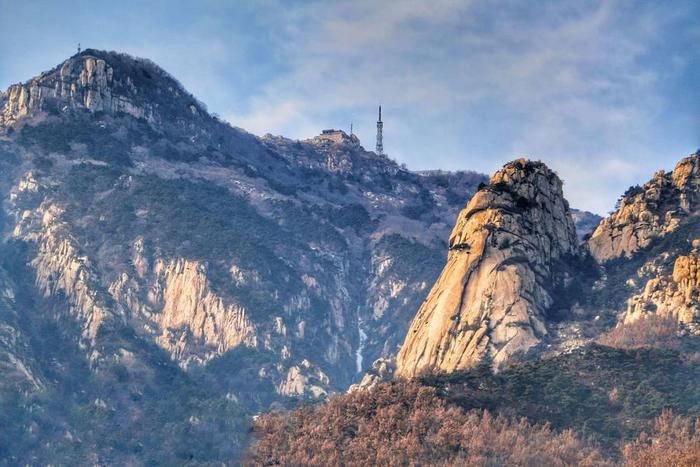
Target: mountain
x: 167, y: 273
x: 648, y: 212
x: 586, y: 222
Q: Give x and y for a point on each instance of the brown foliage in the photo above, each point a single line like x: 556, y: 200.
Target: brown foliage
x: 649, y: 331
x: 675, y: 441
x: 404, y: 423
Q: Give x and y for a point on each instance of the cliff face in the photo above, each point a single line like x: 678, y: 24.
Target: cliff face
x: 492, y: 297
x: 675, y: 295
x: 181, y: 312
x: 649, y: 212
x: 60, y: 269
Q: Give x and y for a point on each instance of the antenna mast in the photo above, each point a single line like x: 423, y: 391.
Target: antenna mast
x: 380, y: 127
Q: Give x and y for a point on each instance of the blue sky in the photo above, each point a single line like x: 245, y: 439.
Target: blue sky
x: 606, y: 93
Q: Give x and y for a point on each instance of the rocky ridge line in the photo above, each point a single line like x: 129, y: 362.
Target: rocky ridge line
x: 100, y: 82
x: 649, y: 211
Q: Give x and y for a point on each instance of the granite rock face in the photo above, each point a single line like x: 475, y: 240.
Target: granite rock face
x: 82, y: 82
x: 61, y: 269
x: 649, y: 212
x: 382, y: 370
x: 100, y: 82
x: 653, y: 234
x: 17, y: 364
x: 492, y: 297
x: 184, y: 316
x: 674, y: 293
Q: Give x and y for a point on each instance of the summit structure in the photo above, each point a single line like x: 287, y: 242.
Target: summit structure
x: 380, y: 127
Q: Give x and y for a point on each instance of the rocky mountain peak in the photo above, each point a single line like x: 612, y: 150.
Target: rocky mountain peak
x: 521, y: 187
x: 491, y: 298
x: 650, y: 211
x: 101, y: 81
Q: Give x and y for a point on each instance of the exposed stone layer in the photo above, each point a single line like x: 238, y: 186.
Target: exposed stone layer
x: 654, y: 221
x: 82, y: 82
x: 106, y: 82
x: 675, y: 295
x: 188, y: 312
x: 17, y: 366
x: 491, y: 298
x: 303, y: 380
x: 648, y: 212
x: 61, y: 269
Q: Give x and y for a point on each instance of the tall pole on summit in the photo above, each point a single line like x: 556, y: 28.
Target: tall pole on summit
x: 380, y: 128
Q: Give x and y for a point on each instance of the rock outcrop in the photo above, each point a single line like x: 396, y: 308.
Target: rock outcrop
x: 304, y: 380
x: 654, y: 223
x: 648, y: 212
x: 82, y: 82
x: 175, y: 305
x: 382, y: 370
x: 675, y: 295
x: 491, y: 298
x: 16, y: 363
x: 188, y: 314
x: 100, y: 82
